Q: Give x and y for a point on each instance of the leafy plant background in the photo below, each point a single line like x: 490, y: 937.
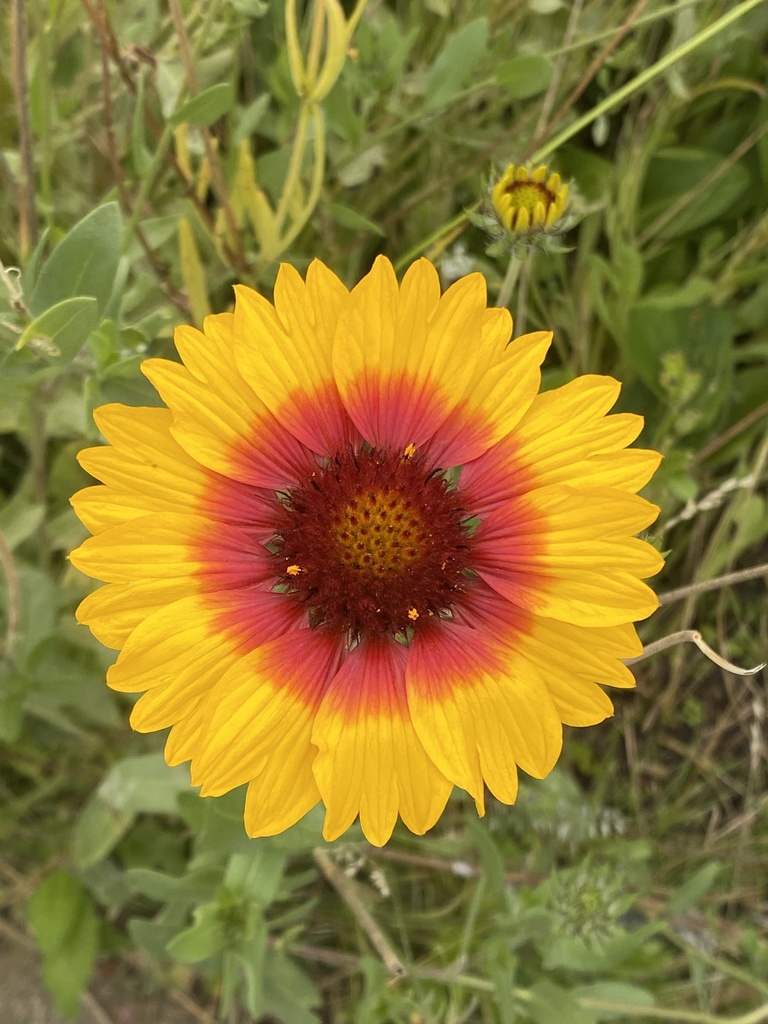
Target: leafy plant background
x: 151, y: 154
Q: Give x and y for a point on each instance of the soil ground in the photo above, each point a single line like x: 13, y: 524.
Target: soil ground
x: 120, y: 999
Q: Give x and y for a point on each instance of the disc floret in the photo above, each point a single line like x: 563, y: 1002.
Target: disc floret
x: 374, y: 542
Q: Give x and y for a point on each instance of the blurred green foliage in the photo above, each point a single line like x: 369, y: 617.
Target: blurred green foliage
x: 136, y: 188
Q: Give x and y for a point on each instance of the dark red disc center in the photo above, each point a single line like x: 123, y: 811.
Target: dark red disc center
x: 374, y: 542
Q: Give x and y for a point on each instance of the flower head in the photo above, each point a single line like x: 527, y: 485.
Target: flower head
x: 529, y: 201
x: 309, y: 593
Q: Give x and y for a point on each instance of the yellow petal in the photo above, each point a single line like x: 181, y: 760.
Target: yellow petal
x: 284, y: 353
x: 370, y: 761
x: 100, y: 508
x: 504, y: 384
x: 114, y: 611
x: 403, y: 358
x: 539, y: 550
x: 480, y: 709
x: 150, y: 548
x: 284, y: 790
x: 267, y: 698
x: 183, y: 737
x: 231, y: 437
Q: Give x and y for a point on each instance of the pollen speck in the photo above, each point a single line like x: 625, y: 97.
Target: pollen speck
x: 294, y: 570
x: 410, y: 451
x: 413, y: 614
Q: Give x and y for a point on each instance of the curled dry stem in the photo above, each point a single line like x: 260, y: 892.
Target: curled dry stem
x: 693, y: 636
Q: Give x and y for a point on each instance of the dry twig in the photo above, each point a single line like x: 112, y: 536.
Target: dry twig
x: 346, y: 889
x: 27, y: 215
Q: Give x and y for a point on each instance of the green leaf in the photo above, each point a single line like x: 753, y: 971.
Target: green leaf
x: 52, y: 908
x: 29, y: 275
x: 350, y: 218
x: 455, y: 63
x: 66, y: 928
x: 256, y: 875
x: 250, y: 957
x: 524, y: 76
x: 695, y: 291
x: 207, y: 107
x: 205, y: 938
x: 136, y: 785
x: 64, y: 328
x: 144, y: 784
x: 288, y: 993
x: 83, y: 263
x: 98, y: 829
x: 615, y: 992
x: 594, y: 174
x: 195, y: 885
x: 19, y: 519
x: 675, y: 171
x: 67, y: 974
x: 362, y: 167
x: 545, y: 6
x: 142, y: 158
x: 251, y: 8
x: 551, y: 1004
x: 151, y: 936
x: 248, y: 119
x: 11, y: 717
x: 38, y: 610
x: 701, y: 338
x: 573, y: 954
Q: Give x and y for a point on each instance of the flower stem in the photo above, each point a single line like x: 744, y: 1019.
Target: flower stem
x: 12, y: 634
x: 509, y: 282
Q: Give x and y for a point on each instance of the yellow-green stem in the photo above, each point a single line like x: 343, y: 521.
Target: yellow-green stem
x: 294, y: 167
x: 315, y: 42
x: 318, y: 173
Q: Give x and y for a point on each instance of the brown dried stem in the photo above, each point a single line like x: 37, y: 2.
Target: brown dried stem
x: 346, y: 889
x: 554, y: 84
x: 593, y: 68
x: 217, y: 176
x: 702, y: 587
x: 14, y: 599
x: 743, y: 424
x: 27, y: 213
x: 109, y: 41
x: 175, y: 297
